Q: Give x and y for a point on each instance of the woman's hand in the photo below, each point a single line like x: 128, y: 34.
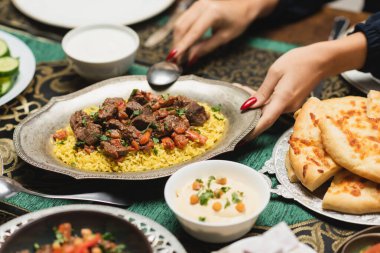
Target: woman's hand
x: 227, y: 18
x: 294, y: 75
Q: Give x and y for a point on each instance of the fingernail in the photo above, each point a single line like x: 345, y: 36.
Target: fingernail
x: 250, y: 101
x: 171, y: 54
x: 192, y: 61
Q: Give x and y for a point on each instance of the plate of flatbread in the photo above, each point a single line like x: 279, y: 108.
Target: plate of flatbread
x: 330, y: 160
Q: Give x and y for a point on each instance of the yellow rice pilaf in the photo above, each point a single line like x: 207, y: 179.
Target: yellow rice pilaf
x: 213, y: 129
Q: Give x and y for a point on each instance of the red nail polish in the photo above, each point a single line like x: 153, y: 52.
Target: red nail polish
x: 192, y: 61
x: 250, y: 101
x: 171, y: 54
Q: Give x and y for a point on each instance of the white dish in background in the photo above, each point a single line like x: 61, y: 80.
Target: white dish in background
x: 362, y: 81
x: 217, y: 232
x: 101, y: 51
x: 27, y: 66
x: 74, y: 13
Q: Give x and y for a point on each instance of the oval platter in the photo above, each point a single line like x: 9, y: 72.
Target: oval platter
x: 32, y: 136
x: 296, y: 191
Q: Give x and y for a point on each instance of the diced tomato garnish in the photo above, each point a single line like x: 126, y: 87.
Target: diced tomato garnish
x: 196, y: 137
x: 60, y: 135
x: 65, y: 230
x: 135, y: 145
x: 168, y: 143
x: 144, y: 139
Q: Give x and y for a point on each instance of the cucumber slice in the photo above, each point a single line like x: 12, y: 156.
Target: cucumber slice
x: 4, y: 50
x: 5, y: 87
x: 8, y: 66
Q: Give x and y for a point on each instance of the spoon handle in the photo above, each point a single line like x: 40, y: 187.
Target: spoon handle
x: 101, y: 197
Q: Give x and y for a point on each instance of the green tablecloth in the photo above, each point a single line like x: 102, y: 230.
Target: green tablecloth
x: 245, y: 64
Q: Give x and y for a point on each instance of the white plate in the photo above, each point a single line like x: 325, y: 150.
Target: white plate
x: 362, y: 81
x: 73, y: 13
x: 27, y: 66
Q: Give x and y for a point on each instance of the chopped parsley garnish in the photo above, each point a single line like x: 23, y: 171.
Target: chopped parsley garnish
x: 165, y: 96
x: 196, y: 130
x: 228, y: 203
x: 201, y: 218
x: 210, y: 179
x: 134, y: 91
x: 180, y: 111
x: 84, y: 121
x: 118, y: 249
x: 94, y: 115
x: 60, y: 142
x: 124, y: 143
x: 216, y: 108
x: 225, y: 189
x: 136, y: 112
x: 103, y: 138
x: 108, y: 236
x: 199, y: 180
x: 155, y: 140
x: 205, y: 197
x: 79, y: 144
x: 217, y: 117
x: 166, y: 126
x: 235, y: 197
x: 36, y: 246
x: 155, y: 151
x: 58, y: 236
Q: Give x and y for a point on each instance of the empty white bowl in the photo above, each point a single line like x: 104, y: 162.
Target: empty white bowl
x: 225, y: 231
x: 101, y: 51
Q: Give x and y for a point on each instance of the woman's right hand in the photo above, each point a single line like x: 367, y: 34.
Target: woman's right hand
x: 227, y: 19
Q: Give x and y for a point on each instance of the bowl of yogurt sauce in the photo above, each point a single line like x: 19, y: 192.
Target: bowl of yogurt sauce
x: 217, y: 201
x: 101, y: 51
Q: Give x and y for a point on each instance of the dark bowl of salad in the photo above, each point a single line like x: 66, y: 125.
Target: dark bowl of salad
x: 77, y: 232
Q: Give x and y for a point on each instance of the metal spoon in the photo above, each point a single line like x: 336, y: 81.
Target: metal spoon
x: 9, y: 187
x: 163, y: 74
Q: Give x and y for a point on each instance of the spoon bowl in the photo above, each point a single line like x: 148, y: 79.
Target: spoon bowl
x: 163, y: 74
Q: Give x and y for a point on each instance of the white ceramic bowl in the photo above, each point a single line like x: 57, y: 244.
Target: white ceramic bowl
x: 223, y: 231
x: 101, y: 51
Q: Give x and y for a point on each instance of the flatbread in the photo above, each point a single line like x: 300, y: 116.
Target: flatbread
x: 291, y: 175
x: 350, y: 137
x: 373, y: 104
x: 311, y: 164
x: 352, y: 194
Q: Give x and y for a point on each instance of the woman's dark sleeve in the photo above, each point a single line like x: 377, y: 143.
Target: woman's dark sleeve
x: 292, y: 10
x: 371, y: 30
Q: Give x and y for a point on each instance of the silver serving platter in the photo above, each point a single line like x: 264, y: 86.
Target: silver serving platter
x: 161, y: 240
x: 296, y: 191
x: 362, y: 81
x: 32, y: 136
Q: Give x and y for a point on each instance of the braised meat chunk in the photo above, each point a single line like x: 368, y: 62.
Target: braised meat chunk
x: 84, y: 128
x: 110, y: 107
x: 143, y: 121
x: 176, y: 124
x: 113, y: 148
x: 196, y: 114
x: 140, y: 123
x: 133, y: 108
